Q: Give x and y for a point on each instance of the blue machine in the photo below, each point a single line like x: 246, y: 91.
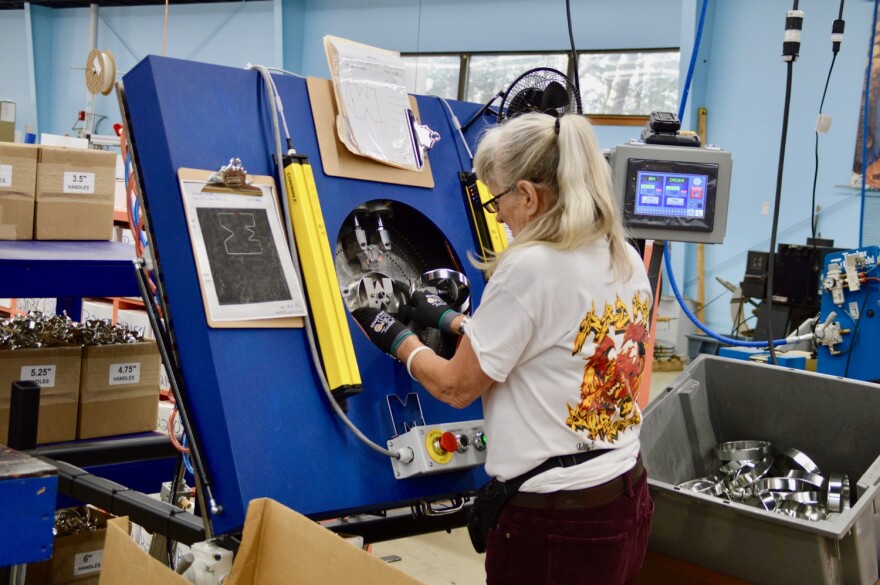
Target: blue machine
x: 28, y: 488
x: 851, y: 289
x: 256, y: 408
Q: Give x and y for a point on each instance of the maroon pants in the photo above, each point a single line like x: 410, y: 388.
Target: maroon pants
x: 604, y: 544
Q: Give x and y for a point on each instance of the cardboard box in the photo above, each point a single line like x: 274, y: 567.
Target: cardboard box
x: 119, y: 389
x: 75, y: 193
x: 7, y: 121
x: 76, y: 559
x: 165, y: 409
x: 56, y: 370
x: 18, y: 179
x: 136, y: 320
x: 45, y: 306
x: 279, y: 547
x: 96, y: 310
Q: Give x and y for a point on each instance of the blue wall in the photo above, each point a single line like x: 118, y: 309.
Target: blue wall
x: 15, y: 70
x: 229, y: 33
x: 740, y: 78
x: 745, y: 89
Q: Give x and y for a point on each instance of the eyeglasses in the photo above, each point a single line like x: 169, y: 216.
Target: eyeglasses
x: 492, y: 204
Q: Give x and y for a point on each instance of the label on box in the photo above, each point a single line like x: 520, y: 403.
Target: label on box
x: 87, y: 563
x: 5, y: 175
x: 164, y: 382
x: 129, y: 373
x: 7, y: 111
x: 42, y: 375
x: 79, y: 183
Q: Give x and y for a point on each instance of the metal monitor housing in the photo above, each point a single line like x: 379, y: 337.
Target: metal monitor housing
x: 627, y: 159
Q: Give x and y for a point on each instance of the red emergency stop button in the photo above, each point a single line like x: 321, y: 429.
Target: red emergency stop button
x: 448, y: 442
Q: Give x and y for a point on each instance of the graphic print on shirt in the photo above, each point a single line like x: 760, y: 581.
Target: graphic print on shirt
x: 612, y: 374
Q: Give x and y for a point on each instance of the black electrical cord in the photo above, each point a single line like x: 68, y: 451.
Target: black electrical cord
x: 794, y: 21
x: 574, y: 55
x: 852, y: 342
x: 776, y: 203
x: 836, y: 38
x: 816, y: 168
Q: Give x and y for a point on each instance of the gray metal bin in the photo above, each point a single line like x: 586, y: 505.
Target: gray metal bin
x: 835, y: 421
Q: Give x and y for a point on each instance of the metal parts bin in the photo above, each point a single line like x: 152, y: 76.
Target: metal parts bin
x: 832, y: 419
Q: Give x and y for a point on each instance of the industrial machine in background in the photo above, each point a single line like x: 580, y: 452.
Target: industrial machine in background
x: 797, y: 286
x: 850, y: 305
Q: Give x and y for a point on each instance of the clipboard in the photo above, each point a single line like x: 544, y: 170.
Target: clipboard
x: 338, y: 161
x: 188, y: 180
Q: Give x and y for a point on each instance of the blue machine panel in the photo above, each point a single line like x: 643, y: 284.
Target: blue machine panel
x: 27, y: 505
x: 265, y: 426
x: 858, y: 312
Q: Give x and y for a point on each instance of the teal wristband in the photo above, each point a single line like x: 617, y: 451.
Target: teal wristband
x: 398, y: 340
x: 446, y: 319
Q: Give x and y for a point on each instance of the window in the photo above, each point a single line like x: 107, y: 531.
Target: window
x: 433, y: 75
x: 633, y: 83
x: 489, y: 74
x: 627, y: 85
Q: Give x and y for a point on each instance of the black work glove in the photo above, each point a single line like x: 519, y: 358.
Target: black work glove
x: 382, y: 329
x: 429, y: 310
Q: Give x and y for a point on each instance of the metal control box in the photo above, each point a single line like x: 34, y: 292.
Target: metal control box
x: 439, y: 448
x: 831, y: 419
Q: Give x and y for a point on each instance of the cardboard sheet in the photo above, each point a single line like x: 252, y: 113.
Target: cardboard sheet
x: 338, y: 161
x: 278, y: 547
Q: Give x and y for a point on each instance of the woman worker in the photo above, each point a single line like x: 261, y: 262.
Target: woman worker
x: 556, y: 351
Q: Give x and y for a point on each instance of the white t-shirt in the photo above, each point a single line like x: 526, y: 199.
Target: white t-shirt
x: 565, y: 345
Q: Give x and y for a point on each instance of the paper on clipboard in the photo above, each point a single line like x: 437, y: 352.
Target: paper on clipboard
x: 245, y: 269
x: 374, y: 118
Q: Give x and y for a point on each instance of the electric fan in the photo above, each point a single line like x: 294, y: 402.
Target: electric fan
x: 543, y: 90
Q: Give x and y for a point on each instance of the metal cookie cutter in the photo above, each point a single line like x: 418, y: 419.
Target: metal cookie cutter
x: 794, y: 509
x: 750, y: 477
x: 810, y: 479
x: 762, y: 499
x: 742, y: 450
x: 452, y: 286
x: 838, y: 492
x: 703, y: 485
x: 793, y: 460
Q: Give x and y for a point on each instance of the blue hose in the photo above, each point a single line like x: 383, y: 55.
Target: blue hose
x: 695, y: 321
x: 669, y: 273
x: 865, y: 125
x: 692, y: 66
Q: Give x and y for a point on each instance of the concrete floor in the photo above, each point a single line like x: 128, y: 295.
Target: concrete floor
x: 447, y: 558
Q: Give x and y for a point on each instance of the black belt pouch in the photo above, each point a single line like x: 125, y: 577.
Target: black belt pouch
x: 485, y: 510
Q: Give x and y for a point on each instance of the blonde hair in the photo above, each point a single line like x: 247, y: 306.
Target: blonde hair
x: 570, y: 165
